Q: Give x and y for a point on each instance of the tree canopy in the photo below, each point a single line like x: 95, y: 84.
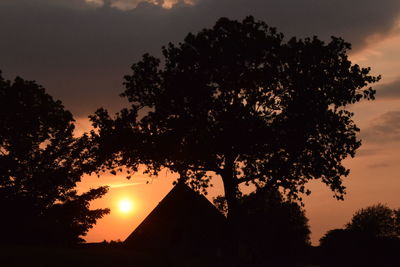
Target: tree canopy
x: 371, y: 238
x: 240, y: 102
x: 377, y: 220
x: 40, y: 163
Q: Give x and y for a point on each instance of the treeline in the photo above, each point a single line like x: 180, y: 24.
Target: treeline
x: 41, y: 161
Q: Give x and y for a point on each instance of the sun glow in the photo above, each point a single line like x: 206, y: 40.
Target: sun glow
x: 125, y: 206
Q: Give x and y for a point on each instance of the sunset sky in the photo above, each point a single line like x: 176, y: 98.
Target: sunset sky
x: 79, y: 50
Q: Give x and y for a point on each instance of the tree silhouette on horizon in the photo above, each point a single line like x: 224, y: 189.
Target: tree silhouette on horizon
x: 240, y: 102
x: 40, y: 164
x: 371, y: 238
x: 377, y: 220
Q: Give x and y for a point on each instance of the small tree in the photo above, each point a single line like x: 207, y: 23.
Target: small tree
x: 40, y: 163
x: 378, y: 221
x: 371, y: 238
x: 239, y: 102
x: 272, y: 229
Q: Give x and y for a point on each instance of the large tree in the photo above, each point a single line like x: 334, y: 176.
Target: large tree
x: 40, y: 163
x: 240, y: 102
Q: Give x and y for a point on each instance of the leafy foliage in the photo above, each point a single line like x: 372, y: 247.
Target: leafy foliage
x: 40, y: 163
x: 371, y: 238
x: 378, y: 220
x: 268, y: 224
x: 239, y: 102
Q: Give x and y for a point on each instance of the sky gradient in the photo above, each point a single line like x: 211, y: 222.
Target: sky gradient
x: 79, y: 51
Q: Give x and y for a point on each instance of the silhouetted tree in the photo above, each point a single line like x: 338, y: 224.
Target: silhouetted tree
x: 378, y: 221
x: 370, y: 239
x: 272, y: 230
x: 239, y: 102
x: 40, y: 163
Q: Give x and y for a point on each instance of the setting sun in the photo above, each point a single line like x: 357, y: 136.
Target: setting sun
x: 125, y: 206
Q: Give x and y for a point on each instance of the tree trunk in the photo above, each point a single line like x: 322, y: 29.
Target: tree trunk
x: 230, y: 188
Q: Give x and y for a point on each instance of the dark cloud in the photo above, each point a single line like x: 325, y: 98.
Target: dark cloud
x: 391, y: 90
x: 384, y: 129
x: 80, y: 52
x: 379, y: 165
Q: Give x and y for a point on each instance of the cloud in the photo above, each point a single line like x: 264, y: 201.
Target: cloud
x: 379, y: 165
x: 131, y: 4
x: 384, y: 129
x: 124, y: 185
x: 361, y: 152
x: 80, y: 51
x: 391, y: 90
x: 43, y: 4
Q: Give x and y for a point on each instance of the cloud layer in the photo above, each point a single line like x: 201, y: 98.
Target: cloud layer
x: 391, y: 90
x: 384, y: 129
x: 81, y: 50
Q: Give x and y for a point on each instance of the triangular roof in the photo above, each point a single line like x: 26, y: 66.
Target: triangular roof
x: 184, y: 220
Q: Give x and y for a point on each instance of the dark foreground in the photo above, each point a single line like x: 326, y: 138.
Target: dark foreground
x: 106, y: 255
x: 94, y: 255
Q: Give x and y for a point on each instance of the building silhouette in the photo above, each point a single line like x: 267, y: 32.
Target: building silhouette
x: 185, y: 222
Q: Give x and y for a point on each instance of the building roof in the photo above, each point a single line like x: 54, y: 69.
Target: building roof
x: 183, y: 220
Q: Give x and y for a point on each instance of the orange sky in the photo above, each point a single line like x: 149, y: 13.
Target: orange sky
x: 374, y: 178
